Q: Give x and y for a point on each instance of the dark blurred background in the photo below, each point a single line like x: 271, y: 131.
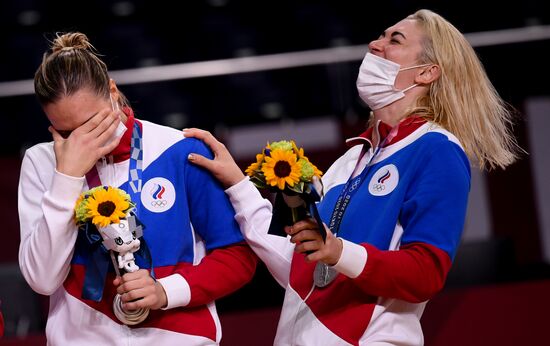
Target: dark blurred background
x: 497, y: 291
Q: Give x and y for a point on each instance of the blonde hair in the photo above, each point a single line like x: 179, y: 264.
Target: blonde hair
x: 71, y: 64
x: 463, y: 100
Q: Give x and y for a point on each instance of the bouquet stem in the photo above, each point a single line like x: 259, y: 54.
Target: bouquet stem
x: 295, y: 212
x: 297, y: 207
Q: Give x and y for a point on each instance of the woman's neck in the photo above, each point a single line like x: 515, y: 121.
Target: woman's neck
x: 390, y: 115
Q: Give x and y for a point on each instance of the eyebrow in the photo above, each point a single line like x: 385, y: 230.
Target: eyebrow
x: 395, y: 33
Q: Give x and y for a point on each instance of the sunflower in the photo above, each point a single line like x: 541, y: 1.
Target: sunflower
x: 282, y: 167
x: 107, y: 205
x: 256, y: 165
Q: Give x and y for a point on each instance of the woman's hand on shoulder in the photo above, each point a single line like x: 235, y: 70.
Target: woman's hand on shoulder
x: 223, y: 166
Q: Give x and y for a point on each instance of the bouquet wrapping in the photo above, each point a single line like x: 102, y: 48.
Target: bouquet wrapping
x: 283, y: 168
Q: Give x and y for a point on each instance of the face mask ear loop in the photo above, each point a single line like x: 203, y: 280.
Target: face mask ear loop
x: 117, y: 108
x: 409, y: 88
x: 415, y: 66
x: 410, y: 68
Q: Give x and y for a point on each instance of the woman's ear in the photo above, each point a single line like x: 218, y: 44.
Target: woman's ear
x: 113, y: 90
x: 429, y: 75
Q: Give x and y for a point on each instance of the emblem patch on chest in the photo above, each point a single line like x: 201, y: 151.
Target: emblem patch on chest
x: 158, y: 195
x: 384, y: 180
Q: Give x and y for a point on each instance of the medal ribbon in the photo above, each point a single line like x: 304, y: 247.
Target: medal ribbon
x: 98, y: 263
x: 353, y: 184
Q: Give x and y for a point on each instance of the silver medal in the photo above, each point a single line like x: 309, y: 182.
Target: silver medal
x: 323, y: 274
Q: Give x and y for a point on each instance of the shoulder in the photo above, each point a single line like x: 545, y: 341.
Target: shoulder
x: 437, y: 133
x: 442, y: 150
x: 41, y: 152
x: 428, y: 140
x: 160, y: 140
x: 441, y: 141
x: 38, y: 164
x: 160, y: 133
x: 341, y: 169
x: 429, y: 134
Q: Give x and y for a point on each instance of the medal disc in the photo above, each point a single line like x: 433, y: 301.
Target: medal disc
x: 323, y: 274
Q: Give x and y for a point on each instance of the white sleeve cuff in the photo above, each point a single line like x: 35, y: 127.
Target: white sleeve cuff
x: 353, y: 259
x: 178, y: 292
x: 242, y: 193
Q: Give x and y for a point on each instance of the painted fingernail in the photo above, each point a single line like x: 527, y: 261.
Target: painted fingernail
x: 190, y: 157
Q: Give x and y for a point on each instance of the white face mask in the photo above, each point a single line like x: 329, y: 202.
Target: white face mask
x: 376, y: 81
x: 121, y: 128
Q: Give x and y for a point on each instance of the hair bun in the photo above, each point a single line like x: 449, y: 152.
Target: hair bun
x: 71, y: 40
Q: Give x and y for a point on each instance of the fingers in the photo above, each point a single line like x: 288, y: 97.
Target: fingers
x: 106, y: 127
x: 201, y: 161
x: 305, y: 235
x: 309, y: 246
x: 117, y: 281
x: 206, y: 137
x: 146, y: 302
x: 110, y: 146
x: 137, y: 293
x: 209, y: 140
x: 140, y: 290
x: 99, y: 131
x: 223, y: 166
x: 133, y: 281
x: 308, y: 241
x: 300, y: 226
x: 95, y: 121
x: 55, y: 135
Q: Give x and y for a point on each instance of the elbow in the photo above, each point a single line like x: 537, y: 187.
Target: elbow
x: 250, y: 265
x: 431, y: 272
x: 46, y: 290
x: 43, y: 286
x: 430, y: 286
x: 426, y: 293
x: 45, y: 283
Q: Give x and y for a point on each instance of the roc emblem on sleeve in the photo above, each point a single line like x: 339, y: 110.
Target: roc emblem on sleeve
x: 158, y: 195
x: 384, y: 180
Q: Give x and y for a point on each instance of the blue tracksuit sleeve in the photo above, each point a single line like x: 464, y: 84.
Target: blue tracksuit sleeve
x: 211, y: 213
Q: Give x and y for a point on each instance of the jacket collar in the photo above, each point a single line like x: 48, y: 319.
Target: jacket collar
x: 388, y: 135
x: 122, y: 151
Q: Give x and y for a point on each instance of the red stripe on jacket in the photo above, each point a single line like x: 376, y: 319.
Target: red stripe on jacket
x: 413, y: 274
x: 220, y: 273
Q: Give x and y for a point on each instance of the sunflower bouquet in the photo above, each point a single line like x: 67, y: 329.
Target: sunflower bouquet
x: 108, y: 211
x: 283, y: 168
x: 102, y: 206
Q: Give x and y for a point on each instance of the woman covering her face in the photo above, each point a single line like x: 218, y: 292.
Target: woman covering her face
x: 196, y: 250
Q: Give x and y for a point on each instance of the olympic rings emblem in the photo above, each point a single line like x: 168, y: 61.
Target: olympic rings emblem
x: 378, y: 187
x: 158, y: 203
x: 355, y: 184
x: 158, y: 195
